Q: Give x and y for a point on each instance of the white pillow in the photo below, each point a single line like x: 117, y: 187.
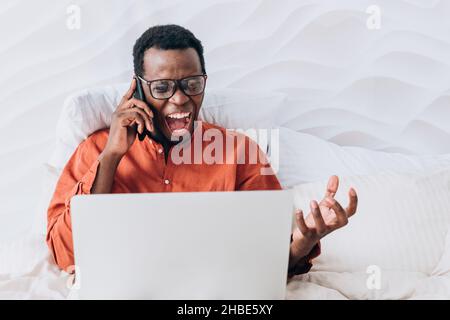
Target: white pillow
x: 89, y: 110
x: 401, y: 222
x: 302, y: 157
x: 306, y: 158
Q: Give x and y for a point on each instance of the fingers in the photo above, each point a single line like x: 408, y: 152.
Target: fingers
x: 129, y: 94
x: 320, y: 225
x: 300, y: 221
x: 353, y: 203
x: 134, y: 116
x: 341, y: 214
x: 148, y: 121
x: 140, y: 122
x: 129, y: 102
x: 148, y: 117
x: 332, y: 186
x: 133, y: 102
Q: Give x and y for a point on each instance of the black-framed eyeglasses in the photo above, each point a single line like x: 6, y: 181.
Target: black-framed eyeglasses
x: 163, y: 89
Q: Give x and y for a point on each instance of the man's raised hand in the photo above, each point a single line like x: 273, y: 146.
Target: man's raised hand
x: 325, y: 217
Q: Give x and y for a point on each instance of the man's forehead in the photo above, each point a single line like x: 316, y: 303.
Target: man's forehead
x: 173, y: 64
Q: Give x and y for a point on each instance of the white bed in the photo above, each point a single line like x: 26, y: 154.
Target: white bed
x: 369, y: 105
x: 400, y: 229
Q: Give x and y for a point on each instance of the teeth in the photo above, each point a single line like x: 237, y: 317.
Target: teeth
x: 179, y: 115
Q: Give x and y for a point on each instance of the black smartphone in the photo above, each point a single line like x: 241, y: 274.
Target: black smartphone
x: 139, y: 94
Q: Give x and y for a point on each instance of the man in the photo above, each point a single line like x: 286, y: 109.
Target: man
x: 169, y: 64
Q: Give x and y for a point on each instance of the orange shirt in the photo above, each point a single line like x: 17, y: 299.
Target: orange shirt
x: 144, y: 169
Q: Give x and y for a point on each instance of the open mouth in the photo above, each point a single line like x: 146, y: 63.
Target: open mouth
x: 178, y: 122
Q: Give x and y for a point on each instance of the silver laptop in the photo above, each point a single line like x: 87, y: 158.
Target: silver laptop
x: 193, y: 245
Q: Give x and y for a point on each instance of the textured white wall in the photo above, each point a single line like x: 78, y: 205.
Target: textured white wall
x: 385, y: 89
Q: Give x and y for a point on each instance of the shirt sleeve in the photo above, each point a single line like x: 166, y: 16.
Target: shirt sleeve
x: 305, y: 263
x: 77, y: 178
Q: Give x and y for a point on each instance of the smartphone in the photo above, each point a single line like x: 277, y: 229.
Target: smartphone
x: 139, y: 94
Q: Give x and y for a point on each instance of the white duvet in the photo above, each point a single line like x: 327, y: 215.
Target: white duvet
x: 40, y: 278
x: 406, y: 242
x: 28, y: 271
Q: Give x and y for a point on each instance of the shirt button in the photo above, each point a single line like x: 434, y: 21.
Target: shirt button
x: 166, y: 181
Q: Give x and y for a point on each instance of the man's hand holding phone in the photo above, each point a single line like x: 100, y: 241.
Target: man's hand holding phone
x: 132, y: 116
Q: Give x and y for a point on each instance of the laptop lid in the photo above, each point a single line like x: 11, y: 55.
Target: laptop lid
x: 194, y: 245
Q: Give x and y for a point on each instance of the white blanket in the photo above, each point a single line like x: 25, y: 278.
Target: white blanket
x: 35, y: 276
x: 28, y: 271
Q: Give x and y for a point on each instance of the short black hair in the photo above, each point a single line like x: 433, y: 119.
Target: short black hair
x: 165, y: 37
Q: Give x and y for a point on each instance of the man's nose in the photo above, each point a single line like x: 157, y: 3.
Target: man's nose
x: 179, y: 97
